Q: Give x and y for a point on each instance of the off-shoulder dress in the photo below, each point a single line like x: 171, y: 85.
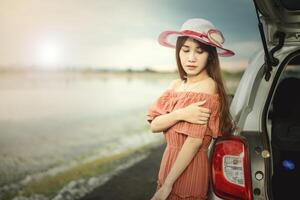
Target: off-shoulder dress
x: 193, y: 183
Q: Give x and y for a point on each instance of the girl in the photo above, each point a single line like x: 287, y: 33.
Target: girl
x: 191, y: 111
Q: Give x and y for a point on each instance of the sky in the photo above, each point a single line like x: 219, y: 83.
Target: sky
x: 53, y: 34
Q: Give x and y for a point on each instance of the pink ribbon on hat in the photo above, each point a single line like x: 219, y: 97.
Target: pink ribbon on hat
x: 208, y: 36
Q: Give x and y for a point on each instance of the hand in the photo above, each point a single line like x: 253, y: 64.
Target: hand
x: 195, y: 113
x: 162, y: 193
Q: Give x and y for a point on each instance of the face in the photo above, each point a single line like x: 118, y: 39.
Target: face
x: 193, y: 58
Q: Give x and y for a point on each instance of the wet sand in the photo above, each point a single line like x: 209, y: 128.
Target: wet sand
x: 135, y: 183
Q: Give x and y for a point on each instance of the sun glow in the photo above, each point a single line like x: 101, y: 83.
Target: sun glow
x: 49, y: 54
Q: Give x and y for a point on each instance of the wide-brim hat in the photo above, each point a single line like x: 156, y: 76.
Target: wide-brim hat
x: 199, y: 29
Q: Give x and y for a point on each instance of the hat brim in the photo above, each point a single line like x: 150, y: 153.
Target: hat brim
x: 169, y: 38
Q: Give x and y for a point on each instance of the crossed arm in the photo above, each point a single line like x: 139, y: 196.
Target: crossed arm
x: 188, y: 150
x: 190, y: 146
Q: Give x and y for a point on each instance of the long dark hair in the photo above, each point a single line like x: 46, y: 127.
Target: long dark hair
x: 227, y: 125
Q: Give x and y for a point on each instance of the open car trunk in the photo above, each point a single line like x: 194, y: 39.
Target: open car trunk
x: 281, y: 27
x: 285, y: 135
x: 281, y: 15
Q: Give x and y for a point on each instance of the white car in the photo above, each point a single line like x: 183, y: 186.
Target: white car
x: 262, y: 158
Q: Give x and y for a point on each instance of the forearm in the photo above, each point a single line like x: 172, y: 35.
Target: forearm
x: 185, y: 156
x: 163, y: 122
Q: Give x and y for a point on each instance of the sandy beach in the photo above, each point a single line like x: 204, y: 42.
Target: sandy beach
x: 135, y: 183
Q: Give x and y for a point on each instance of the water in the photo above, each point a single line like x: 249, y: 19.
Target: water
x: 47, y: 120
x: 50, y: 119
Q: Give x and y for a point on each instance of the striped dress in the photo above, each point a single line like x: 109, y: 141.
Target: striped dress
x: 193, y: 183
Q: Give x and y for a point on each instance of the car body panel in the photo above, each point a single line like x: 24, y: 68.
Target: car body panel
x: 260, y: 87
x: 251, y: 102
x: 247, y: 107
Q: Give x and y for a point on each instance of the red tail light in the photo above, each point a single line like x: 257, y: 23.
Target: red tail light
x: 230, y: 170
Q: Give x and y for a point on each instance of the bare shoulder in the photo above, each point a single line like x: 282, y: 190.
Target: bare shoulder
x: 174, y: 83
x: 213, y: 86
x: 209, y: 86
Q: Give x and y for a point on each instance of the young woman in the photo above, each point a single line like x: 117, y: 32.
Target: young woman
x: 191, y: 111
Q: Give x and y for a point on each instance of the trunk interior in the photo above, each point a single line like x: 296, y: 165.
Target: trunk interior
x: 285, y: 133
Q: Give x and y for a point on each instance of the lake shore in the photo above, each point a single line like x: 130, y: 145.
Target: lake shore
x: 136, y: 182
x: 85, y: 179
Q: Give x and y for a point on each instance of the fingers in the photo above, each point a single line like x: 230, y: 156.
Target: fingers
x: 199, y: 103
x: 202, y: 121
x: 205, y: 110
x: 202, y: 118
x: 204, y: 114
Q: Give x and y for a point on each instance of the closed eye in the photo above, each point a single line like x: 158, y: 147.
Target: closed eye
x: 199, y: 52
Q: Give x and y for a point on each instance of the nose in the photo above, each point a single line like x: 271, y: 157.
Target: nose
x: 191, y: 57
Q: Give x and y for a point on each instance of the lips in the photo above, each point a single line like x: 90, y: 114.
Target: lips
x: 191, y: 66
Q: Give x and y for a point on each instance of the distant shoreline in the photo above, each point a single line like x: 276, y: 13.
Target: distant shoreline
x: 81, y: 70
x: 85, y: 72
x: 128, y: 72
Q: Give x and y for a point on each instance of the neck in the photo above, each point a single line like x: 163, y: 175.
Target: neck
x: 194, y: 79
